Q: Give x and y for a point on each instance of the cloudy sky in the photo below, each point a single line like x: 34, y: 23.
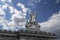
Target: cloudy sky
x: 14, y: 13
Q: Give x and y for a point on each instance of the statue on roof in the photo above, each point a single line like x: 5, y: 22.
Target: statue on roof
x: 32, y: 24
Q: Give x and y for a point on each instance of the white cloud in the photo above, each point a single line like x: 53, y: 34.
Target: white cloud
x: 2, y: 12
x: 3, y: 22
x: 31, y: 4
x: 22, y: 7
x: 5, y: 6
x: 11, y: 25
x: 3, y: 0
x: 57, y: 1
x: 18, y: 18
x: 6, y: 1
x: 53, y: 23
x: 11, y: 9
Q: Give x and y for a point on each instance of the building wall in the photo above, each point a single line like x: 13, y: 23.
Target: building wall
x: 22, y: 36
x: 34, y: 38
x: 8, y: 37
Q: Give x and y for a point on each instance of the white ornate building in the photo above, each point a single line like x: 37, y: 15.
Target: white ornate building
x: 31, y: 33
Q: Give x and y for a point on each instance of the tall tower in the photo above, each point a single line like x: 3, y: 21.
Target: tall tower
x: 32, y: 24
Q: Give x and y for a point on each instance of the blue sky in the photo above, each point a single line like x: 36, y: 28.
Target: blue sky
x: 44, y: 9
x: 14, y: 13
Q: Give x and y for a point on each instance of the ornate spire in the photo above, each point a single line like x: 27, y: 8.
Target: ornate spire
x: 32, y: 22
x: 32, y: 17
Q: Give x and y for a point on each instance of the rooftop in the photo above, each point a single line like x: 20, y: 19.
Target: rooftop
x: 28, y: 32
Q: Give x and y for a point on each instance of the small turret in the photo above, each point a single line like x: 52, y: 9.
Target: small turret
x: 32, y: 24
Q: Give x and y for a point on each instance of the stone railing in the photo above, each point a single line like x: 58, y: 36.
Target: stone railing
x: 29, y: 32
x: 37, y: 32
